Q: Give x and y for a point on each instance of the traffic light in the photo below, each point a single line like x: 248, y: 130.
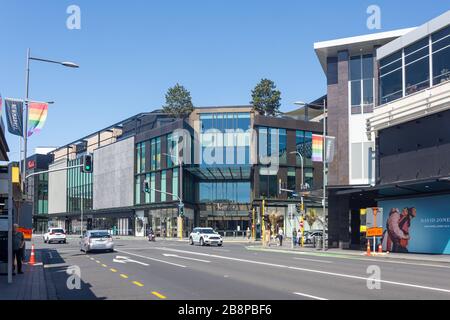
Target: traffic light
x: 181, y: 210
x: 146, y: 186
x: 87, y: 164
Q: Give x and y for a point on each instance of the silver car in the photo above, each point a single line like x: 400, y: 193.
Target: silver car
x: 97, y: 240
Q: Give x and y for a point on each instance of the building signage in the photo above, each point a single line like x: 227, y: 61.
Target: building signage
x: 31, y: 164
x: 417, y: 225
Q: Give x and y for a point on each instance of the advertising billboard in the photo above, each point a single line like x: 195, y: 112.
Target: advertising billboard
x: 417, y: 225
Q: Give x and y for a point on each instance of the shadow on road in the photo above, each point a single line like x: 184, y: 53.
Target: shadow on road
x: 64, y: 280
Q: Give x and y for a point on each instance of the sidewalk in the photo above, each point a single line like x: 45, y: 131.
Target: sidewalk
x: 286, y: 248
x: 32, y: 285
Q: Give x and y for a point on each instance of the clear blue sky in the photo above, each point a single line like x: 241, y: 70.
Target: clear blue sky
x: 131, y: 51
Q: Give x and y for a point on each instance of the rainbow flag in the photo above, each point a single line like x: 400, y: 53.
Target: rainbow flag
x: 37, y: 115
x: 317, y: 148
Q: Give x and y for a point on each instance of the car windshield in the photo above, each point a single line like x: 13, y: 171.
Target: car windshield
x: 99, y: 235
x: 207, y: 231
x: 58, y: 231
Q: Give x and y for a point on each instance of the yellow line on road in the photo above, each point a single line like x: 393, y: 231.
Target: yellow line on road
x: 138, y: 283
x: 159, y: 295
x: 97, y: 261
x: 113, y: 270
x: 124, y: 276
x: 104, y: 266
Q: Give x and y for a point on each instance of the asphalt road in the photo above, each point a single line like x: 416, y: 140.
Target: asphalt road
x: 139, y: 270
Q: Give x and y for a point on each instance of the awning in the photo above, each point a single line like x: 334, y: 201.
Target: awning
x: 404, y: 188
x: 221, y: 172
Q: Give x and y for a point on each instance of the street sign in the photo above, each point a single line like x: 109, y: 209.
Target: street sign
x: 374, y: 218
x: 374, y: 232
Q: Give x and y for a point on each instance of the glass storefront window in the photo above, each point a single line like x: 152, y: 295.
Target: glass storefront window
x: 138, y: 190
x: 224, y: 192
x: 152, y: 188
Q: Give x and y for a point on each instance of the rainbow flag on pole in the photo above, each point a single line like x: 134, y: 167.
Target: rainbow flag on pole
x: 317, y: 148
x: 37, y: 115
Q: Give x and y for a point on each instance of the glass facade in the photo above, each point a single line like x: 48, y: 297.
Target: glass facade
x: 441, y: 55
x: 155, y: 145
x: 268, y: 186
x: 361, y: 76
x: 42, y: 194
x: 225, y: 139
x: 225, y: 192
x: 175, y: 187
x: 163, y: 186
x: 140, y: 157
x: 415, y: 63
x: 79, y: 189
x: 272, y: 142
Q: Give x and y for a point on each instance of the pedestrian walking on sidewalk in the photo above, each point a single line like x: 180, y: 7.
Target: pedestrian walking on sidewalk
x: 249, y: 233
x: 18, y: 246
x: 280, y: 236
x: 294, y: 237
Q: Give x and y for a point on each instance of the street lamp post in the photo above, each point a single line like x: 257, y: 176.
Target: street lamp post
x: 27, y: 93
x: 324, y: 200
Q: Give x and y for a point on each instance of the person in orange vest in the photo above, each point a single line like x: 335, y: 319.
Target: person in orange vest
x: 18, y: 245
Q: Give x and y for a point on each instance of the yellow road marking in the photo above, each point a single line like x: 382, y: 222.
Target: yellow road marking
x: 104, y: 266
x: 159, y: 295
x: 92, y: 259
x: 97, y: 261
x: 113, y: 270
x: 138, y: 283
x: 124, y: 276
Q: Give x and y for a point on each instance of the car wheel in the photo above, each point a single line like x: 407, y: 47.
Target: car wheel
x: 191, y: 241
x: 220, y: 244
x: 202, y: 242
x: 65, y: 241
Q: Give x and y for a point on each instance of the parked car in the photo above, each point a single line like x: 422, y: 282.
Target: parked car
x: 55, y: 235
x: 205, y: 236
x: 310, y: 238
x: 97, y: 240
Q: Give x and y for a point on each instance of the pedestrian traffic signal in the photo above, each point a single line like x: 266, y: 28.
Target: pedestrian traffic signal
x: 87, y: 164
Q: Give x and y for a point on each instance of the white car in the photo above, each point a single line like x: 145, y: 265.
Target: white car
x: 55, y: 235
x: 205, y: 236
x: 97, y: 240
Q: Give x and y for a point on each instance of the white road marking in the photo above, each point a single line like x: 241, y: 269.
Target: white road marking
x: 148, y: 258
x: 309, y: 296
x: 314, y: 260
x: 186, y: 258
x: 125, y: 260
x: 341, y: 275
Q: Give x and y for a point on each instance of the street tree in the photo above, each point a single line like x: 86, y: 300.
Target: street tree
x: 266, y: 98
x: 178, y: 102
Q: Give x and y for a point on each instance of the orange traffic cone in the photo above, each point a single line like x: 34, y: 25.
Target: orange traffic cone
x: 32, y: 258
x: 368, y: 253
x: 380, y: 248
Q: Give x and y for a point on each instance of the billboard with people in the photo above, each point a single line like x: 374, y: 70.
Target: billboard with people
x: 417, y: 225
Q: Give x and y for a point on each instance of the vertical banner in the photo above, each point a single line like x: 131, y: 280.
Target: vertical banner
x: 14, y: 116
x: 37, y: 116
x: 317, y: 148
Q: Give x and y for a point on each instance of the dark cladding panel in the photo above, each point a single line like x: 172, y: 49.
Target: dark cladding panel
x: 332, y: 70
x: 415, y: 150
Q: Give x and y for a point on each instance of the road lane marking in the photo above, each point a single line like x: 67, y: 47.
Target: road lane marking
x: 92, y: 259
x: 314, y: 260
x: 309, y: 296
x: 113, y: 270
x: 186, y: 258
x: 104, y: 266
x: 124, y: 276
x: 137, y: 283
x: 144, y: 257
x: 125, y: 260
x: 349, y: 257
x: 97, y: 261
x: 159, y: 295
x: 334, y: 274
